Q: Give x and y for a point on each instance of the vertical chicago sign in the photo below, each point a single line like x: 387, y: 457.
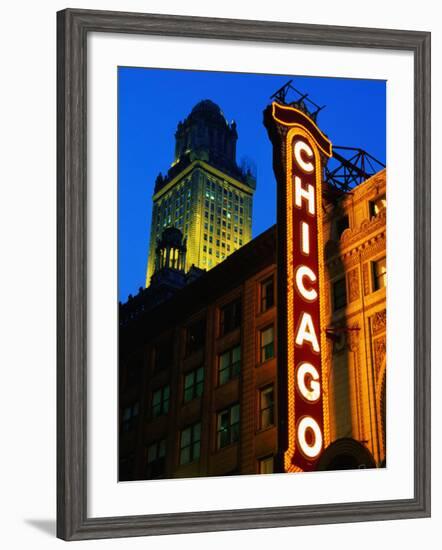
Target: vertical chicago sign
x: 299, y: 148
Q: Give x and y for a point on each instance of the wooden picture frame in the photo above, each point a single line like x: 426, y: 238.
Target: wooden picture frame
x: 73, y: 27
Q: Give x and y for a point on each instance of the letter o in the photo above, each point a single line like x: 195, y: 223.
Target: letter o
x: 309, y: 450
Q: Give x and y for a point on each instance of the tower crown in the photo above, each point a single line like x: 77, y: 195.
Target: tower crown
x: 206, y: 135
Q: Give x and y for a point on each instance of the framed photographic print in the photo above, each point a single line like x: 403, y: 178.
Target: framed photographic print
x: 225, y: 268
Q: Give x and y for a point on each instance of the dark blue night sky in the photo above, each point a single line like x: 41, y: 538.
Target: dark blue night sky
x: 152, y: 101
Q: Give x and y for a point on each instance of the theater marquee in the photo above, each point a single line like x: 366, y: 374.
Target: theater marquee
x: 298, y: 149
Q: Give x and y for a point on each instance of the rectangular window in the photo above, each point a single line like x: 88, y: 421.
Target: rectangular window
x: 228, y: 426
x: 195, y: 336
x: 267, y: 294
x: 193, y: 384
x: 129, y: 417
x: 380, y: 274
x: 230, y: 317
x: 190, y: 444
x: 265, y: 465
x: 266, y: 410
x: 377, y: 205
x: 229, y: 365
x: 339, y: 294
x: 156, y: 459
x: 267, y: 344
x: 160, y: 401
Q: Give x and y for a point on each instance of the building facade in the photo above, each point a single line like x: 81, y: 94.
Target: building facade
x: 205, y: 194
x: 355, y: 260
x: 199, y: 384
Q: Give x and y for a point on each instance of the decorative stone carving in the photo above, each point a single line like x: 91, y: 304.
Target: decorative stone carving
x: 366, y: 279
x: 380, y: 348
x: 346, y: 235
x: 379, y: 322
x: 353, y: 285
x: 353, y: 337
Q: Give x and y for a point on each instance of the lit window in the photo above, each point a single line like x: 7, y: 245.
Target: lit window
x: 380, y: 274
x: 190, y: 444
x: 228, y: 426
x: 339, y: 294
x: 156, y: 463
x: 265, y: 465
x: 266, y: 412
x: 193, y: 384
x: 267, y: 344
x: 267, y: 294
x: 160, y: 401
x: 229, y: 365
x: 377, y: 205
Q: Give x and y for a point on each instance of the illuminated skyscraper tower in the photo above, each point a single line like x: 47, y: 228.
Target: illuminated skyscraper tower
x: 205, y: 193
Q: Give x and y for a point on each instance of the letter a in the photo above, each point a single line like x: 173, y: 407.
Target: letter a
x: 306, y: 332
